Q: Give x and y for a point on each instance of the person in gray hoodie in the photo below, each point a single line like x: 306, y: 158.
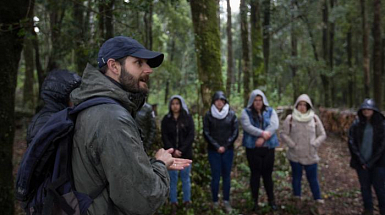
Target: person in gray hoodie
x: 260, y: 122
x: 303, y: 133
x: 107, y: 148
x: 367, y: 149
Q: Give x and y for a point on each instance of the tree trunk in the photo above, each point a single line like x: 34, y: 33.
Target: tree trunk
x: 101, y: 21
x: 56, y: 15
x: 331, y: 56
x: 148, y: 26
x: 245, y: 51
x: 39, y: 68
x: 349, y: 51
x: 81, y: 57
x: 239, y: 75
x: 365, y: 43
x: 294, y: 53
x: 324, y: 77
x: 207, y: 44
x: 266, y: 34
x: 377, y: 61
x: 11, y: 15
x: 256, y: 44
x: 28, y: 95
x: 109, y: 18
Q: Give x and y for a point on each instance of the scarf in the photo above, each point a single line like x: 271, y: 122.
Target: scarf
x: 303, y: 117
x: 222, y: 114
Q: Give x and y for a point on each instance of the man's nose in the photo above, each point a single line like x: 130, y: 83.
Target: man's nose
x: 147, y: 69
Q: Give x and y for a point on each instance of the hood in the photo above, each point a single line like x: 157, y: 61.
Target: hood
x: 57, y: 86
x: 219, y: 95
x: 184, y: 106
x: 368, y: 104
x: 304, y: 98
x: 255, y: 93
x: 95, y: 84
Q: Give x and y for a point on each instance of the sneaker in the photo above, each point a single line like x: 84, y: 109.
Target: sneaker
x: 187, y: 205
x: 297, y: 202
x: 228, y: 207
x: 319, y: 206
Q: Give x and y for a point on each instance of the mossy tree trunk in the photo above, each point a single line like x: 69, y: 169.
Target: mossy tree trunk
x: 256, y: 45
x: 245, y: 51
x: 12, y: 16
x: 81, y: 36
x: 230, y: 65
x: 207, y: 45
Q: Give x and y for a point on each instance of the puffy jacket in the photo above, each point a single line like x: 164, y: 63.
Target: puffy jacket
x: 356, y: 133
x: 303, y: 138
x: 55, y: 92
x: 220, y: 132
x: 107, y: 149
x: 178, y: 134
x: 146, y: 122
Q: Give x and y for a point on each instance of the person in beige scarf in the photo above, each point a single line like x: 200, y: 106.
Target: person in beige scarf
x: 303, y: 133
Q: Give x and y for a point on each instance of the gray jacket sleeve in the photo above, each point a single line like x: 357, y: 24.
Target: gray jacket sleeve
x: 131, y: 175
x: 247, y: 126
x: 274, y: 123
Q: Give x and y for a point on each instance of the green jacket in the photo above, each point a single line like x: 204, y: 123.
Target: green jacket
x: 108, y: 151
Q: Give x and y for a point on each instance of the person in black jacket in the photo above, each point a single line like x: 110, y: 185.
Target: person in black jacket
x: 145, y: 118
x: 178, y: 133
x: 220, y: 129
x: 55, y: 92
x: 367, y: 148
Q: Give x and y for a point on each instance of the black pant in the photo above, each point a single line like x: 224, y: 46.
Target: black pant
x: 261, y: 163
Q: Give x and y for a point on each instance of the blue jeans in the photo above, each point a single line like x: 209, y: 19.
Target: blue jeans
x: 376, y: 178
x: 311, y: 175
x: 186, y: 184
x: 220, y: 165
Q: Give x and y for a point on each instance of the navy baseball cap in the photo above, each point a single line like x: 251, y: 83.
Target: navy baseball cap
x: 122, y: 46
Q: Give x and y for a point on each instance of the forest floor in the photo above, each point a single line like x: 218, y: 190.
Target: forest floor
x: 339, y: 183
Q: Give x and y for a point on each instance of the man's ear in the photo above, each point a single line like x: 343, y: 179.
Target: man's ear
x: 114, y: 67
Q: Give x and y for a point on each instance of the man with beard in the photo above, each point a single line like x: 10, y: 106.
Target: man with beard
x: 108, y: 159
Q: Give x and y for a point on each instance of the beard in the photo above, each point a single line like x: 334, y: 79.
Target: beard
x: 132, y: 84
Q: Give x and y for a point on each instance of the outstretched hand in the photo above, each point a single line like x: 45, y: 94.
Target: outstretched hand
x: 170, y: 162
x: 179, y: 164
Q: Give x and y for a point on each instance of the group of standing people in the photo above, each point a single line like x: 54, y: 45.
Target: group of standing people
x: 108, y: 136
x: 303, y: 132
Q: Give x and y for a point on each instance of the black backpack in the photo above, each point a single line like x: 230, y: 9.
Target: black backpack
x: 44, y: 183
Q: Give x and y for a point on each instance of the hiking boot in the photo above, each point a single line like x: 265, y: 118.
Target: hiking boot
x: 273, y: 206
x: 187, y: 205
x: 367, y: 212
x: 174, y: 207
x: 297, y: 202
x: 255, y: 207
x: 228, y: 207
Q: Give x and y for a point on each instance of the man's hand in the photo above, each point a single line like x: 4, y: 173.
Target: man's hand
x: 221, y: 150
x: 179, y: 164
x: 266, y: 135
x: 177, y: 154
x: 165, y: 156
x: 259, y: 142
